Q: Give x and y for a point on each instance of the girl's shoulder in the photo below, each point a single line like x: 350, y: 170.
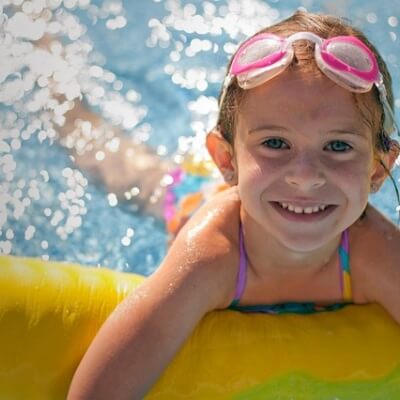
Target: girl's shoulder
x: 375, y: 237
x: 210, y: 240
x: 375, y: 258
x: 220, y: 216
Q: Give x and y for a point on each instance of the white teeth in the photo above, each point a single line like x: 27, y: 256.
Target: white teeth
x: 300, y: 210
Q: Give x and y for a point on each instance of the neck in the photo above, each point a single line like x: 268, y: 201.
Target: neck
x: 267, y: 253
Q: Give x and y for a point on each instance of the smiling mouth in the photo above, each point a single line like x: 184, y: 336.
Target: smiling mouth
x: 297, y: 213
x: 314, y: 209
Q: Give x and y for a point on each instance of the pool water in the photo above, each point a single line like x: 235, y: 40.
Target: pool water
x: 153, y: 69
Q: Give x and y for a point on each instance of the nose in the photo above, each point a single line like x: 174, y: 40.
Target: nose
x: 304, y: 173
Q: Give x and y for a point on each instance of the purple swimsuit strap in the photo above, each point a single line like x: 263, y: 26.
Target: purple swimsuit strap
x: 242, y: 273
x: 241, y: 279
x: 345, y: 240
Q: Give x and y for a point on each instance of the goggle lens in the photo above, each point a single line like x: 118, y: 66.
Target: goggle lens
x: 259, y: 50
x: 350, y: 55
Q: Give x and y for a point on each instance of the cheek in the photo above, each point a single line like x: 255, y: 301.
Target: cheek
x: 356, y: 179
x: 250, y: 170
x: 252, y: 165
x: 250, y: 178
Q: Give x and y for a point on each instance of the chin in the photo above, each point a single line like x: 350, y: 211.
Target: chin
x: 301, y: 243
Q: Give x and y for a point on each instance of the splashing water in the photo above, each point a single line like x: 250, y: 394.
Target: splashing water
x: 151, y: 71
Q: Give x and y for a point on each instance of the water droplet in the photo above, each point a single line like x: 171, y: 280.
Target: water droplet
x: 29, y: 232
x: 112, y: 199
x: 393, y: 21
x: 125, y: 241
x: 371, y: 18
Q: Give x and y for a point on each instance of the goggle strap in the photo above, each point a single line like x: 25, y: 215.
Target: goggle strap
x: 389, y: 113
x: 227, y: 82
x: 389, y: 117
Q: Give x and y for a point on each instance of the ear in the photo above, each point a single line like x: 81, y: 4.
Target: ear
x: 223, y: 155
x: 387, y: 159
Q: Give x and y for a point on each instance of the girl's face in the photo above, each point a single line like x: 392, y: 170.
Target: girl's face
x: 300, y: 140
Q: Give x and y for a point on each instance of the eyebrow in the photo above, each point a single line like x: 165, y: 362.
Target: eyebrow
x: 271, y: 127
x: 268, y: 127
x: 350, y: 131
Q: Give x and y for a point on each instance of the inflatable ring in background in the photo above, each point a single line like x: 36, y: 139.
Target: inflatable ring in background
x: 50, y: 312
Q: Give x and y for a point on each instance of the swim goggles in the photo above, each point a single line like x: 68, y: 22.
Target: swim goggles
x: 344, y: 59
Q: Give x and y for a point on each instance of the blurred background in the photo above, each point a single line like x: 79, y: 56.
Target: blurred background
x: 152, y: 70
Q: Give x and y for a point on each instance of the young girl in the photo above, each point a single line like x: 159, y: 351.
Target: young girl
x: 302, y: 139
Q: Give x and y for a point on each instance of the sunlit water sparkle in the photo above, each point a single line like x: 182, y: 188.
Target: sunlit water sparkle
x: 153, y: 70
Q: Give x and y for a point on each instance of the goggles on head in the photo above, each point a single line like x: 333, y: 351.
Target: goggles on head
x: 344, y: 59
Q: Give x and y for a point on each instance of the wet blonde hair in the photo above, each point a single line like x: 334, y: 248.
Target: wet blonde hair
x: 325, y: 26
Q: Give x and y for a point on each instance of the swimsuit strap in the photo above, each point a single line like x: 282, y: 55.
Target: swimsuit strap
x: 241, y: 278
x: 344, y: 254
x: 344, y: 270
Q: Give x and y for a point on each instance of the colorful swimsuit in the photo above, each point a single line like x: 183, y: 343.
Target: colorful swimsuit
x: 301, y: 308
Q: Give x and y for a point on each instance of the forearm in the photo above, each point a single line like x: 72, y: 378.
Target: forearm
x: 140, y: 339
x: 120, y: 365
x: 125, y: 359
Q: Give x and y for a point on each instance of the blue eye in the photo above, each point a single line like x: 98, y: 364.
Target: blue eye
x: 339, y: 146
x: 274, y: 143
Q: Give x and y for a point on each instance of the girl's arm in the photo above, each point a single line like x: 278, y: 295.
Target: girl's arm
x: 146, y: 330
x: 123, y: 164
x: 379, y: 266
x: 106, y: 153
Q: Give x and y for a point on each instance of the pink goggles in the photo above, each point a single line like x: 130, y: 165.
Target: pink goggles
x: 344, y: 59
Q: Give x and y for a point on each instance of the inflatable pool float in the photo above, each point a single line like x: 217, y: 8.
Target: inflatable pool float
x: 50, y: 312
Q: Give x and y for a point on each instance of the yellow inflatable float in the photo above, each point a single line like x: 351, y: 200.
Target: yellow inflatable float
x: 50, y: 312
